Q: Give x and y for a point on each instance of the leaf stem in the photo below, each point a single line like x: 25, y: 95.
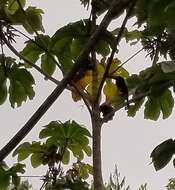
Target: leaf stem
x: 135, y: 54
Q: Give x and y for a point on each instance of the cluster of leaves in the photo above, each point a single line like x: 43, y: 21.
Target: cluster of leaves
x: 74, y: 178
x: 158, y: 15
x: 39, y: 49
x: 10, y: 175
x: 158, y: 20
x: 13, y: 12
x: 21, y: 82
x: 66, y: 44
x: 61, y: 139
x: 154, y: 81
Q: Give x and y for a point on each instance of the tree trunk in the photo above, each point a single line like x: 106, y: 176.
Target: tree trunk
x: 97, y: 167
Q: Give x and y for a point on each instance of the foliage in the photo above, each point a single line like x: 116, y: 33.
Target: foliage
x: 10, y: 175
x: 171, y: 184
x: 162, y: 154
x: 62, y: 138
x: 91, y: 71
x: 115, y: 183
x: 21, y: 82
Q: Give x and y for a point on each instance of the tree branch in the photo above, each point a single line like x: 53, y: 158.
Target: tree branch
x: 122, y: 105
x: 116, y: 43
x: 117, y: 6
x: 26, y: 60
x: 44, y: 49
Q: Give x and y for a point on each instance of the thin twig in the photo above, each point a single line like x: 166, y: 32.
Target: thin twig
x: 32, y: 176
x: 156, y: 55
x: 62, y: 154
x: 84, y: 97
x: 37, y: 44
x: 126, y: 62
x: 116, y: 43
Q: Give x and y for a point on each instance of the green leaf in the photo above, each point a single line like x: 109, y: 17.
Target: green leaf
x: 77, y: 151
x: 68, y: 42
x: 133, y: 35
x: 77, y: 46
x: 34, y: 49
x: 21, y: 86
x: 169, y: 13
x: 167, y: 66
x: 166, y: 103
x: 162, y: 154
x: 69, y: 136
x: 133, y: 81
x: 13, y: 5
x: 23, y: 151
x: 31, y: 52
x: 152, y: 109
x: 36, y: 160
x: 15, y: 180
x: 47, y: 64
x: 18, y: 168
x: 66, y: 157
x: 102, y: 6
x: 87, y: 150
x: 3, y: 92
x: 103, y: 48
x: 34, y: 16
x: 63, y: 52
x: 132, y: 110
x: 17, y: 93
x: 4, y: 179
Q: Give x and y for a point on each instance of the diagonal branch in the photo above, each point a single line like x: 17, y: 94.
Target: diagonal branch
x: 83, y: 95
x: 117, y: 6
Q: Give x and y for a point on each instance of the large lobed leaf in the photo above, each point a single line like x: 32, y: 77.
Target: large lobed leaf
x: 70, y: 40
x: 21, y: 82
x: 61, y: 139
x: 162, y: 154
x: 156, y: 83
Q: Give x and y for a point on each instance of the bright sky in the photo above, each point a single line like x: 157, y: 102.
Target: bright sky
x: 126, y: 142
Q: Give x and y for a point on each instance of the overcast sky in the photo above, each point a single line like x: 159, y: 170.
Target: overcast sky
x: 126, y: 142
